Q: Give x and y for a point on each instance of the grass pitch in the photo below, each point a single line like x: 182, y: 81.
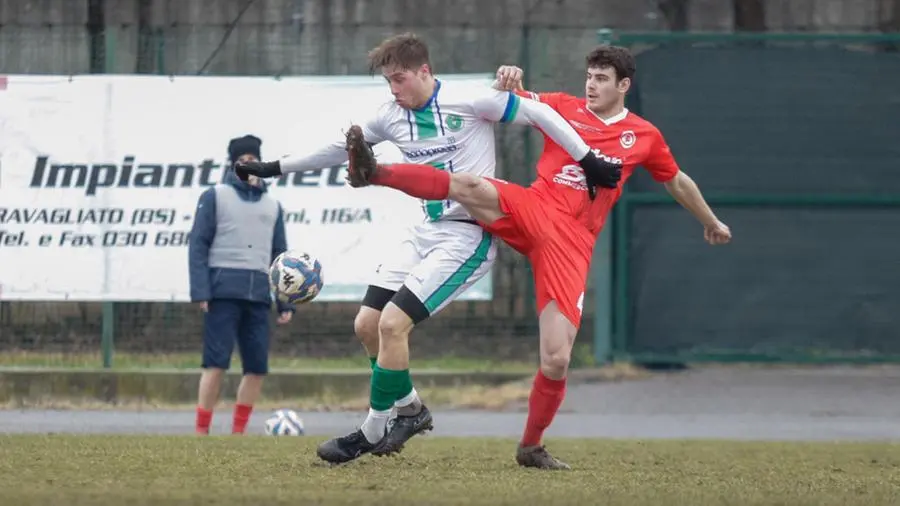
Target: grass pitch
x: 143, y: 470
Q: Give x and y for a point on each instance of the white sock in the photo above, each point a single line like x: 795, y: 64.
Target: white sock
x: 376, y: 423
x: 410, y: 398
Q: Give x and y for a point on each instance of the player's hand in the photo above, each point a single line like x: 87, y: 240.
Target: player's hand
x: 600, y: 170
x: 285, y: 317
x: 509, y: 78
x: 244, y: 170
x: 717, y: 233
x: 204, y: 306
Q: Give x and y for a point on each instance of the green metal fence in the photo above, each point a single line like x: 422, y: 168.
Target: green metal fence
x: 792, y: 137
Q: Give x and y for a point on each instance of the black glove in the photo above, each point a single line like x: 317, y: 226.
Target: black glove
x: 601, y: 171
x: 259, y: 169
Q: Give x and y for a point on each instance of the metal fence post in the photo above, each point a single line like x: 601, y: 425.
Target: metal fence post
x: 160, y: 52
x: 109, y: 310
x: 107, y: 333
x: 603, y: 274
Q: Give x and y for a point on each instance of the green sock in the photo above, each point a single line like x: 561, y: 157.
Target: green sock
x: 407, y: 386
x: 373, y: 361
x: 386, y: 384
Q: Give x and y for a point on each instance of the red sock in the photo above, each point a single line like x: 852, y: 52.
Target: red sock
x: 241, y: 417
x: 543, y: 403
x: 416, y: 180
x: 204, y: 417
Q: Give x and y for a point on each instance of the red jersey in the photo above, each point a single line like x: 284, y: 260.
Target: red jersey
x: 626, y: 136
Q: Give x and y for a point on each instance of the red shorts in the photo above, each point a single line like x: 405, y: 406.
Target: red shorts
x: 558, y: 246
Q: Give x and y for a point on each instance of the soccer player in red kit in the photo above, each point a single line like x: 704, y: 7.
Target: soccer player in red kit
x: 555, y: 221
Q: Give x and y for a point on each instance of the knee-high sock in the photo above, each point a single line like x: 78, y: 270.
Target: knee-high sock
x: 388, y: 385
x: 546, y: 397
x: 417, y: 180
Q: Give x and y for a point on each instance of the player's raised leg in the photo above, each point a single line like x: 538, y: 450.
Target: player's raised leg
x: 479, y: 197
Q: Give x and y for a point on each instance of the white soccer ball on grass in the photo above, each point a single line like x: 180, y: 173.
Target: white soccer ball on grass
x: 285, y: 422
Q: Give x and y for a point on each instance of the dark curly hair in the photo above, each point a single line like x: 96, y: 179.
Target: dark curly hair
x: 618, y: 58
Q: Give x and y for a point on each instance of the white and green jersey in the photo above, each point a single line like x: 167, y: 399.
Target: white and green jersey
x: 453, y: 132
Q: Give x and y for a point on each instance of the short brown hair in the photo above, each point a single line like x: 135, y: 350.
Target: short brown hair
x: 618, y: 58
x: 405, y: 50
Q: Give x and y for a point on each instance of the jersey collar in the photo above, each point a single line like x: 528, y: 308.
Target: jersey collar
x: 611, y: 120
x: 437, y: 88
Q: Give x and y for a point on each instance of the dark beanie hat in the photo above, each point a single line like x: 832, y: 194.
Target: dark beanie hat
x: 246, y: 145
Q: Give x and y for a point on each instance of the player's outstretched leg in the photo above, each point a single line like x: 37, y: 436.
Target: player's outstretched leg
x: 474, y: 193
x: 557, y: 336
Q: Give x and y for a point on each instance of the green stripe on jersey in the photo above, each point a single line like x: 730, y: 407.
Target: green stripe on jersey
x: 425, y: 124
x: 434, y: 209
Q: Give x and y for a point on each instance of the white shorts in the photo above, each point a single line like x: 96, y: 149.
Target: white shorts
x: 438, y: 262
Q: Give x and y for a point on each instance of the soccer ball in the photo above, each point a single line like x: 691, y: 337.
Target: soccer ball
x: 295, y: 277
x: 284, y: 422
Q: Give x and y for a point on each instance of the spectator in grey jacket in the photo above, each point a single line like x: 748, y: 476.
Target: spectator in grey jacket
x: 231, y: 249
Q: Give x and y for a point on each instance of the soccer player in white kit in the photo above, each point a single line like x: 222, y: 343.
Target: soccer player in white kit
x: 449, y: 126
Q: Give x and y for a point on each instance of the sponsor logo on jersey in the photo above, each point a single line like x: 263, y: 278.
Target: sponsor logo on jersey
x: 571, y: 176
x: 426, y: 152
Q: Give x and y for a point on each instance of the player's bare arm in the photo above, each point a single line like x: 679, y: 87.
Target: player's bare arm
x: 685, y: 191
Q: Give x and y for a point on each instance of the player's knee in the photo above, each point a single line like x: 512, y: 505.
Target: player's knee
x: 365, y: 325
x: 555, y: 363
x: 394, y: 325
x: 464, y: 187
x: 556, y: 354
